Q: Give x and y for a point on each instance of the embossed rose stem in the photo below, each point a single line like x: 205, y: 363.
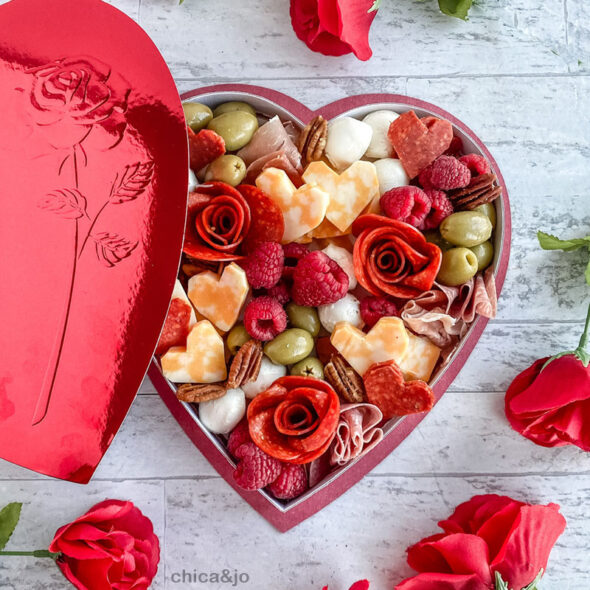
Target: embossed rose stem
x: 92, y: 227
x: 55, y: 356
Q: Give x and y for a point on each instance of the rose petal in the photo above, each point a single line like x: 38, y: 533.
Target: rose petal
x: 458, y: 553
x: 443, y: 582
x: 529, y: 543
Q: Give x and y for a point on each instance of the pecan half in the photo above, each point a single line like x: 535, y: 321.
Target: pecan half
x: 195, y: 393
x: 481, y: 190
x: 312, y: 141
x: 246, y: 365
x: 344, y: 379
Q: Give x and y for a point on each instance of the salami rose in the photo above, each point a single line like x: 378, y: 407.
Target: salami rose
x: 218, y: 221
x: 295, y: 419
x: 393, y: 258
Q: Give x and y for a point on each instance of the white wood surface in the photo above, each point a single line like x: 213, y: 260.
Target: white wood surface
x: 517, y: 74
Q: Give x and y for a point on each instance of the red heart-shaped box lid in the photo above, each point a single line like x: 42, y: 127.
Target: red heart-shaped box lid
x: 93, y: 162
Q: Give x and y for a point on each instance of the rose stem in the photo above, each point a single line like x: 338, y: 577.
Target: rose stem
x: 36, y: 553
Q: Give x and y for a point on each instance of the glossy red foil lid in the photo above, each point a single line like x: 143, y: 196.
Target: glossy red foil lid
x: 93, y: 186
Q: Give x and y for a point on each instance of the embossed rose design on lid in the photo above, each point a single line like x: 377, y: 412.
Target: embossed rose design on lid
x: 79, y: 94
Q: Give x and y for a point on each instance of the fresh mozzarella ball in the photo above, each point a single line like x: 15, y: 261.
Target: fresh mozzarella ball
x: 192, y: 181
x: 390, y: 173
x: 348, y: 140
x: 380, y: 146
x: 347, y: 309
x: 344, y: 259
x: 269, y: 373
x: 222, y: 415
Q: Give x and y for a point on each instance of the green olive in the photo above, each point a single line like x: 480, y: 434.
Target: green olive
x: 303, y: 317
x: 433, y: 236
x: 236, y: 128
x: 227, y: 168
x: 309, y: 367
x: 197, y: 115
x: 231, y: 107
x: 484, y: 253
x: 236, y: 338
x: 466, y: 228
x: 290, y: 347
x: 489, y: 210
x: 457, y: 267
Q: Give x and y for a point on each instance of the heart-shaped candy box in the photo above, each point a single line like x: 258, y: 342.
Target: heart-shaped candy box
x: 286, y: 514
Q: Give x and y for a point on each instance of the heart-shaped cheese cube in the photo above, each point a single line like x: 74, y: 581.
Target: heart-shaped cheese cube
x: 219, y: 299
x: 303, y: 208
x: 350, y: 192
x: 420, y: 358
x: 201, y: 361
x: 387, y: 340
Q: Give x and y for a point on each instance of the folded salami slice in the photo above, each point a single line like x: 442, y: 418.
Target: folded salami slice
x: 271, y: 137
x: 267, y: 224
x: 180, y: 319
x: 357, y: 432
x: 295, y: 419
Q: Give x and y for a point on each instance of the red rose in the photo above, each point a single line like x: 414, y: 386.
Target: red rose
x: 74, y: 95
x: 218, y: 221
x: 334, y: 27
x: 549, y: 402
x: 489, y: 534
x: 113, y: 545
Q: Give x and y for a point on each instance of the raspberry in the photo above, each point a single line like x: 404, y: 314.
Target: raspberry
x: 280, y: 292
x: 239, y: 435
x: 293, y: 254
x: 375, y: 308
x: 456, y: 147
x: 477, y: 164
x: 441, y: 208
x: 424, y: 178
x: 445, y: 173
x: 291, y: 483
x: 318, y: 280
x: 255, y: 469
x: 406, y: 203
x: 264, y: 318
x: 264, y: 265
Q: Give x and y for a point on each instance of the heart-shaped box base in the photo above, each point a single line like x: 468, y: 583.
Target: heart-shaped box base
x: 287, y: 515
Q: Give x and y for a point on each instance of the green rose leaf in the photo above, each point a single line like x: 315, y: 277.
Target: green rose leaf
x: 375, y: 6
x: 456, y: 8
x: 9, y: 516
x: 502, y: 585
x: 549, y: 242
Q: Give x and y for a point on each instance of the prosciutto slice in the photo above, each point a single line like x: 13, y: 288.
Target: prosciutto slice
x: 357, y: 432
x: 273, y: 160
x: 272, y: 137
x: 443, y: 314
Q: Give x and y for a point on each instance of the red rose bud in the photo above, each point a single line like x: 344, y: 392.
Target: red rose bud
x: 334, y: 27
x: 488, y: 542
x: 113, y: 545
x: 549, y: 403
